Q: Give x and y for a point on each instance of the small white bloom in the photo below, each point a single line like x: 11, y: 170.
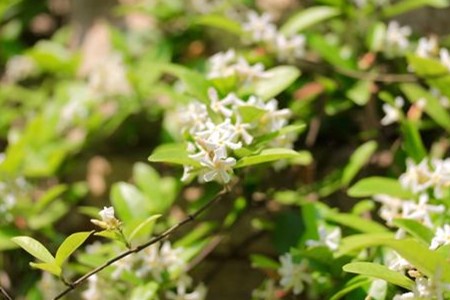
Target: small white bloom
x: 421, y: 211
x: 330, y: 239
x: 218, y: 168
x: 94, y: 290
x: 417, y: 178
x: 396, y: 42
x: 397, y: 263
x: 182, y: 292
x: 259, y: 27
x: 392, y: 113
x: 294, y: 275
x: 427, y: 47
x: 441, y: 237
x: 390, y: 209
x: 109, y: 221
x: 249, y: 73
x: 445, y: 57
x: 290, y: 48
x: 222, y: 64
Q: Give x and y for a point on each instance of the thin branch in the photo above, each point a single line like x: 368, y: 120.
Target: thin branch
x: 141, y: 247
x: 5, y: 294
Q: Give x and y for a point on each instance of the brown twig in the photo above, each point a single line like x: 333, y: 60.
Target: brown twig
x: 5, y: 294
x: 141, y: 247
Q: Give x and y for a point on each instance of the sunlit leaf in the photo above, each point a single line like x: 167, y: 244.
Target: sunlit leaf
x: 415, y: 228
x: 379, y: 271
x: 278, y: 79
x: 34, y: 247
x: 174, y: 154
x: 308, y: 17
x: 268, y: 155
x: 358, y: 159
x: 49, y: 267
x: 129, y: 202
x: 378, y: 185
x: 70, y: 244
x: 404, y: 6
x: 221, y: 22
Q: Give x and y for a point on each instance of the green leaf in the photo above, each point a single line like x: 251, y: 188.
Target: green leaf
x: 147, y: 179
x: 221, y: 22
x: 49, y: 196
x: 129, y: 202
x: 148, y: 291
x: 358, y: 159
x: 49, y: 267
x: 250, y: 113
x: 378, y: 185
x: 406, y: 5
x: 416, y: 229
x: 267, y: 155
x: 376, y: 37
x: 351, y: 285
x: 308, y: 17
x: 433, y: 107
x: 34, y: 247
x: 173, y: 153
x: 381, y: 272
x: 70, y: 244
x: 360, y: 92
x: 430, y: 263
x: 413, y: 143
x: 263, y: 262
x: 278, y: 79
x: 331, y: 53
x: 355, y: 222
x: 143, y: 227
x: 195, y: 83
x: 357, y: 242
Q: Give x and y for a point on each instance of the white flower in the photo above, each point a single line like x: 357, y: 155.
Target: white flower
x: 220, y: 106
x: 109, y: 221
x: 397, y: 263
x: 182, y: 292
x: 427, y: 47
x: 390, y: 209
x: 440, y: 177
x: 218, y: 168
x: 445, y: 57
x: 426, y: 288
x: 259, y: 27
x: 290, y: 48
x: 441, y: 237
x: 396, y: 42
x: 274, y: 119
x: 194, y: 117
x: 330, y: 239
x: 222, y: 64
x: 94, y: 290
x: 417, y: 178
x: 294, y: 275
x: 249, y: 73
x: 421, y: 211
x: 392, y: 113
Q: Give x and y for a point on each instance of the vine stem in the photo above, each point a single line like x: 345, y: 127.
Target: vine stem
x: 141, y: 247
x: 5, y: 293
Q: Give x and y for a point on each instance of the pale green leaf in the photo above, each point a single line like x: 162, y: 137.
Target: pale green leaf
x: 144, y: 226
x: 250, y: 113
x: 70, y: 244
x: 49, y: 267
x: 378, y: 185
x: 308, y: 17
x: 174, y: 154
x: 351, y: 285
x: 148, y: 291
x: 415, y: 228
x: 358, y: 159
x: 263, y: 262
x: 268, y: 155
x: 404, y: 6
x: 129, y: 202
x: 278, y: 79
x: 221, y: 22
x: 34, y: 247
x: 360, y: 92
x: 379, y: 271
x: 413, y: 144
x: 355, y: 222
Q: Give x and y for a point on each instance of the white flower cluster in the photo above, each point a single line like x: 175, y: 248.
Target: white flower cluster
x: 261, y: 30
x: 329, y: 239
x: 294, y: 275
x: 425, y: 288
x: 217, y: 130
x: 227, y: 64
x: 396, y: 40
x: 429, y: 48
x: 181, y: 293
x: 393, y: 113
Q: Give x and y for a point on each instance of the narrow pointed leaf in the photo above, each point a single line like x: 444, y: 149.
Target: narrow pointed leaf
x: 267, y: 155
x: 70, y: 244
x: 378, y: 185
x: 381, y: 272
x: 358, y: 159
x: 34, y: 247
x: 278, y: 79
x: 145, y: 225
x: 49, y: 267
x: 308, y: 17
x: 174, y: 154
